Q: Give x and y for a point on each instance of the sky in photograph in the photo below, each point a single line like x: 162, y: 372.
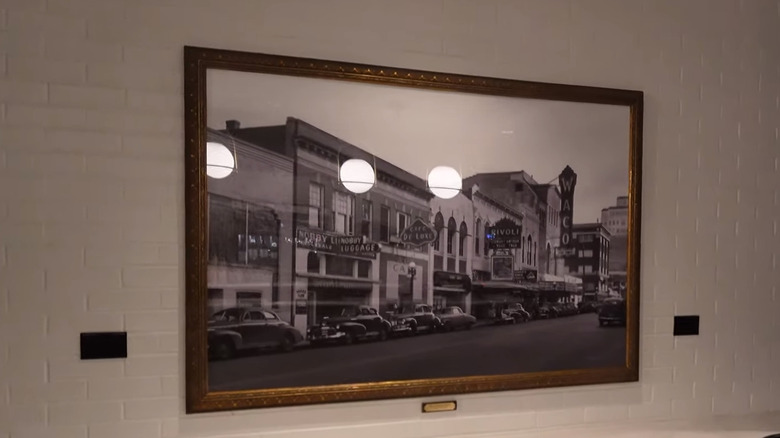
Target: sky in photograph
x: 417, y: 130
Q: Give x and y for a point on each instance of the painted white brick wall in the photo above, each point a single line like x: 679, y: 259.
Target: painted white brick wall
x: 91, y: 199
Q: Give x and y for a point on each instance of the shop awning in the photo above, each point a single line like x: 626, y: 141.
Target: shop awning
x: 459, y: 290
x: 494, y: 284
x: 551, y: 278
x: 449, y: 281
x: 338, y: 283
x: 530, y: 287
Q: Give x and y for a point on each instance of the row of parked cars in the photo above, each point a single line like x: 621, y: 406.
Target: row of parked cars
x: 556, y: 310
x: 240, y: 328
x: 359, y: 322
x: 610, y: 312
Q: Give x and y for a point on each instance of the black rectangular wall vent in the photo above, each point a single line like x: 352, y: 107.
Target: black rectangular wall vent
x: 103, y: 345
x: 686, y: 325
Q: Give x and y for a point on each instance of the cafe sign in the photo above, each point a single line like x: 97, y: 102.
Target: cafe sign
x: 418, y: 233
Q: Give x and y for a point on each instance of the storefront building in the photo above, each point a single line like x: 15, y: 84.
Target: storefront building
x: 453, y: 220
x: 496, y: 255
x: 250, y: 251
x: 405, y: 267
x: 347, y: 246
x: 549, y: 229
x: 517, y: 191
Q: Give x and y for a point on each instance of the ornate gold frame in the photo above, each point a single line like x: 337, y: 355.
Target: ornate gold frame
x: 196, y: 63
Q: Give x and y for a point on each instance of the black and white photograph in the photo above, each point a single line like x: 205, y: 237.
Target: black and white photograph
x: 362, y: 233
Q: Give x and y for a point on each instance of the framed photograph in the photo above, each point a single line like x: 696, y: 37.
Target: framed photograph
x: 360, y: 232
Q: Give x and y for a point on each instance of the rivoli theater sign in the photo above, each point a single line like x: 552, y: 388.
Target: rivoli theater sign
x: 567, y: 180
x: 505, y: 234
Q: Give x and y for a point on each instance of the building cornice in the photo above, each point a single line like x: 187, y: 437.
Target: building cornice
x: 245, y: 149
x: 499, y: 205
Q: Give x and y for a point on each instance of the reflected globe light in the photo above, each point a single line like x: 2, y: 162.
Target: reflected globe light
x: 444, y: 182
x: 357, y: 175
x: 219, y: 161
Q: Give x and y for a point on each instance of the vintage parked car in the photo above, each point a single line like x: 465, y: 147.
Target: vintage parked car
x: 566, y: 309
x: 242, y: 328
x: 422, y: 316
x: 454, y: 318
x: 354, y: 323
x: 612, y: 311
x: 587, y: 307
x: 515, y: 313
x: 547, y: 311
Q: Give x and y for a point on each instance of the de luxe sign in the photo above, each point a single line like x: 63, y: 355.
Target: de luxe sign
x: 418, y: 233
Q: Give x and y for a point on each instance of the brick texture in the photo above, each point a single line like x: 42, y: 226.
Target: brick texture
x: 91, y: 198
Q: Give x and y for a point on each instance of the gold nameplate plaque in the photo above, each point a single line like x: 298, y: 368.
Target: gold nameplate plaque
x: 444, y: 406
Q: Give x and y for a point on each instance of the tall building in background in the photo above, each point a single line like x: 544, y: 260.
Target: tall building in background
x: 615, y: 219
x: 591, y: 243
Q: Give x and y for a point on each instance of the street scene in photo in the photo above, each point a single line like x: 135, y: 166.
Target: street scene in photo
x: 361, y: 233
x: 543, y: 346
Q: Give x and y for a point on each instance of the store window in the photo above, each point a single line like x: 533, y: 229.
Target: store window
x: 462, y: 234
x: 487, y: 242
x: 343, y: 213
x: 364, y: 269
x: 340, y: 266
x: 241, y: 233
x: 312, y: 263
x: 477, y: 234
x: 522, y: 250
x: 384, y: 224
x: 249, y: 299
x: 438, y: 225
x: 402, y: 222
x: 439, y: 302
x: 366, y: 217
x: 452, y: 228
x: 315, y: 205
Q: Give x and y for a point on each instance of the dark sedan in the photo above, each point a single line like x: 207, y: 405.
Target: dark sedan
x: 244, y: 328
x: 353, y: 323
x: 454, y: 318
x: 612, y: 312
